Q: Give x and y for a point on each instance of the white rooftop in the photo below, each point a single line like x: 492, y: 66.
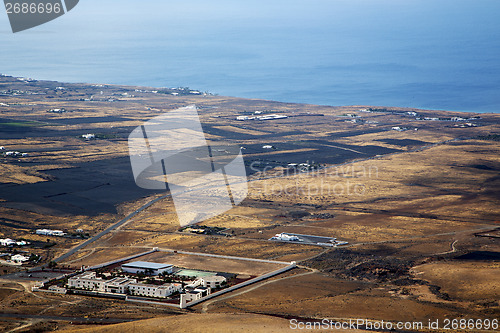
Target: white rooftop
x: 145, y: 264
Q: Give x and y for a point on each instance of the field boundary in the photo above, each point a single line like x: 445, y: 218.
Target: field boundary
x: 240, y: 285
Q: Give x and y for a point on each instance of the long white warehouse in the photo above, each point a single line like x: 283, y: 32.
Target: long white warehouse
x: 145, y: 267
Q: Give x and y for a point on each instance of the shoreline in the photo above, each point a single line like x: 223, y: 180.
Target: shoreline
x: 405, y: 108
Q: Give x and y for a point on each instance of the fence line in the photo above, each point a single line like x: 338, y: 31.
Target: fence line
x: 240, y: 285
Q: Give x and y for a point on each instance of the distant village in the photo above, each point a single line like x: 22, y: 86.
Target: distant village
x: 11, y: 153
x: 17, y: 252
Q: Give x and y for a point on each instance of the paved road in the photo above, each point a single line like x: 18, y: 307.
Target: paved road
x: 108, y: 229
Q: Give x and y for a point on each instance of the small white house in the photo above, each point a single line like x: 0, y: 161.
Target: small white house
x: 267, y: 147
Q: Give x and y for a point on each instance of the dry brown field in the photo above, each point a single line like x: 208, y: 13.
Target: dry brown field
x: 410, y: 204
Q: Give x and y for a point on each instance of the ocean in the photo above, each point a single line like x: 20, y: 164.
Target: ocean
x: 431, y: 54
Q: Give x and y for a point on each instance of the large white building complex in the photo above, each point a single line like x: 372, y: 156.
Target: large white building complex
x: 122, y: 285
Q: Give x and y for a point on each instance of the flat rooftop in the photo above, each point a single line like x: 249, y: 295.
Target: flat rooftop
x: 145, y: 264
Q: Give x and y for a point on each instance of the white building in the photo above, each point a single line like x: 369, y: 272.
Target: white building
x: 87, y: 280
x: 151, y: 290
x: 88, y: 136
x: 48, y: 232
x: 62, y: 110
x: 19, y: 258
x: 285, y: 237
x: 122, y: 285
x: 145, y: 267
x: 244, y: 118
x: 7, y: 242
x: 118, y: 285
x: 271, y: 117
x: 57, y: 289
x: 267, y: 147
x: 213, y: 282
x: 193, y: 295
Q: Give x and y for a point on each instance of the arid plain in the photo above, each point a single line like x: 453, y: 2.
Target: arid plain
x: 416, y: 193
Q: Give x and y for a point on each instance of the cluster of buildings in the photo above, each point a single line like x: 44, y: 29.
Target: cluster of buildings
x: 264, y: 117
x: 465, y: 125
x: 12, y: 153
x: 146, y: 91
x: 61, y: 110
x: 12, y: 242
x: 285, y: 237
x: 399, y: 128
x: 88, y: 136
x: 49, y: 232
x: 308, y: 239
x: 302, y: 167
x: 122, y: 285
x: 195, y: 290
x: 449, y: 119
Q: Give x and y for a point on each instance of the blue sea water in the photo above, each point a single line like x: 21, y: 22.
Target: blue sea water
x: 435, y: 54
